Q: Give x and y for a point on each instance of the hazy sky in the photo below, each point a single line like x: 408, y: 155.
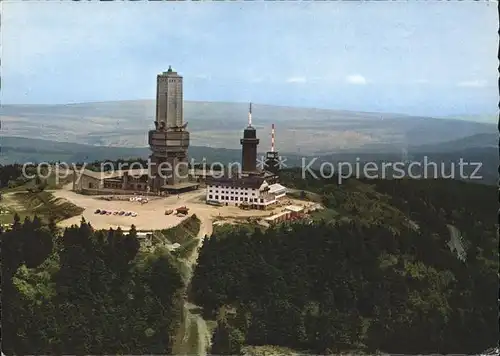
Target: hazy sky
x: 427, y: 58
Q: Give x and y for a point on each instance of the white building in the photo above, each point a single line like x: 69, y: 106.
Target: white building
x: 252, y: 191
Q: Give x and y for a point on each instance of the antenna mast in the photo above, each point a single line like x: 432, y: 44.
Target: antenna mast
x: 272, y: 138
x: 250, y: 115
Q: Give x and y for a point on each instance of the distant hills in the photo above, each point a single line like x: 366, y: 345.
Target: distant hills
x: 20, y: 149
x: 484, y: 140
x: 111, y: 130
x: 476, y: 148
x: 219, y: 125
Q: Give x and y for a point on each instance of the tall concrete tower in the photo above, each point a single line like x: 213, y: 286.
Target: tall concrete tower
x: 169, y: 99
x: 169, y: 141
x: 249, y: 144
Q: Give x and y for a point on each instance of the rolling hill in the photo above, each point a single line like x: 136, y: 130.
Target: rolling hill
x: 219, y: 125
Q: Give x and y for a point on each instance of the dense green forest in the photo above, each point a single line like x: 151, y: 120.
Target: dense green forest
x: 376, y: 270
x: 11, y: 175
x: 83, y: 291
x: 375, y: 273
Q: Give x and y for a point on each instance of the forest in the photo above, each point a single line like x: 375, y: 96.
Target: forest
x: 82, y: 291
x: 11, y: 175
x: 376, y: 270
x: 377, y: 275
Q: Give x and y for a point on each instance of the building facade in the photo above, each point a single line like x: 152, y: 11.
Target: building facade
x: 116, y: 182
x: 125, y: 181
x: 253, y: 192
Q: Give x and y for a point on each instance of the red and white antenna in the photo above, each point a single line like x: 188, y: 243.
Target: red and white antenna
x: 250, y: 115
x: 272, y: 138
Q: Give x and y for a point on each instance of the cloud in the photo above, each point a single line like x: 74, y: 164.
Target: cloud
x: 296, y: 80
x: 356, y: 79
x: 473, y: 83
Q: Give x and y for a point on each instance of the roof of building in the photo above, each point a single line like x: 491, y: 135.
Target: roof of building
x: 253, y: 182
x: 114, y: 174
x: 170, y: 72
x: 269, y: 175
x: 182, y: 185
x: 276, y: 187
x: 294, y: 208
x: 138, y: 173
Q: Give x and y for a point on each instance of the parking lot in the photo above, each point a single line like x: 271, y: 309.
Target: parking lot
x: 151, y: 215
x: 148, y: 216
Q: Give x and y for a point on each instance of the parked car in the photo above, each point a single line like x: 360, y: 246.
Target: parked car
x: 133, y: 214
x: 182, y: 210
x: 127, y: 213
x: 168, y: 212
x: 121, y: 213
x: 115, y: 213
x: 98, y: 211
x: 103, y: 212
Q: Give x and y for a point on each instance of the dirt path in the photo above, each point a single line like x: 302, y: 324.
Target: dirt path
x: 194, y: 335
x: 206, y: 229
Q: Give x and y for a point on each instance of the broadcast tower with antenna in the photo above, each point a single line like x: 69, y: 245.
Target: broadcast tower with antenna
x: 249, y: 144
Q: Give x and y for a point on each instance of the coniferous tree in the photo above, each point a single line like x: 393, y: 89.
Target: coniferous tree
x: 52, y: 225
x: 226, y: 340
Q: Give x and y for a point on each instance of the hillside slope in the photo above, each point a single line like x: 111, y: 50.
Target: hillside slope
x: 376, y: 273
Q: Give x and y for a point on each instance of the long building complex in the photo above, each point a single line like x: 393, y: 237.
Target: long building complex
x: 251, y: 191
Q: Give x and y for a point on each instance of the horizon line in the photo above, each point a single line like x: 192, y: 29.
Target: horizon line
x: 450, y: 117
